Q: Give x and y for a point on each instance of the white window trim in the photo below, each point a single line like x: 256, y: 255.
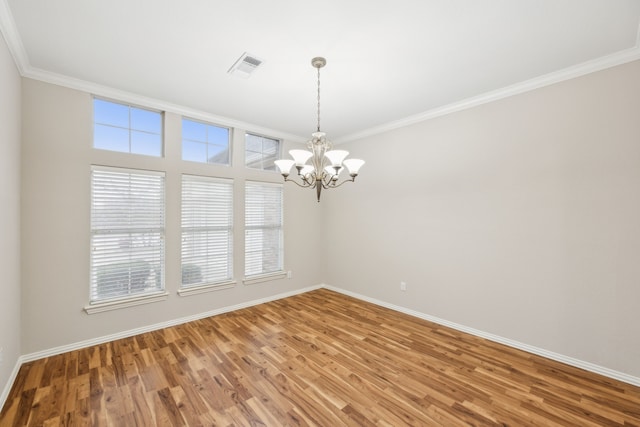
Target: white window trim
x: 109, y: 304
x: 100, y: 307
x: 252, y: 280
x: 195, y: 290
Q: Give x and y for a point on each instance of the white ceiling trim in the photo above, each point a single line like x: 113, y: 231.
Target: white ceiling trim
x: 11, y: 36
x: 588, y: 67
x: 14, y: 42
x: 157, y: 104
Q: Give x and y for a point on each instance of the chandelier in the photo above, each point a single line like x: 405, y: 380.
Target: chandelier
x: 326, y: 164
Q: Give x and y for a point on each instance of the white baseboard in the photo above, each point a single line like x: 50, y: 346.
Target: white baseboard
x: 131, y: 332
x: 10, y: 381
x: 587, y: 366
x: 610, y: 373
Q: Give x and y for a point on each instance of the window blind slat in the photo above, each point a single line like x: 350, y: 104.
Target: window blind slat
x: 127, y: 233
x: 207, y: 230
x: 263, y: 228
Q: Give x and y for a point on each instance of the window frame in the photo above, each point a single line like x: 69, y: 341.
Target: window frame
x: 277, y: 155
x: 206, y: 143
x: 129, y: 129
x: 114, y: 262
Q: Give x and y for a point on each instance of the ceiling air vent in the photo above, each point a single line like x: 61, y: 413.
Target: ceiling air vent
x: 245, y: 65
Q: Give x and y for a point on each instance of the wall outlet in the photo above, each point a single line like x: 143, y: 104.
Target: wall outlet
x: 403, y: 286
x: 289, y: 274
x: 1, y: 356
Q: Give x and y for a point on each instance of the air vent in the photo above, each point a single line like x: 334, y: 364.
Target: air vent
x: 245, y: 65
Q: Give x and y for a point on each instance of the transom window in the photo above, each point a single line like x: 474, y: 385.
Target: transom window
x: 261, y: 152
x: 128, y: 129
x: 205, y: 143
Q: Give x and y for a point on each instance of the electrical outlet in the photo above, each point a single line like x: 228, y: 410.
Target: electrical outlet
x: 1, y: 356
x: 289, y: 274
x: 403, y: 286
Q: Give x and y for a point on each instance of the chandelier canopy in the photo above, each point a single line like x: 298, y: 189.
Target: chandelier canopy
x: 326, y: 164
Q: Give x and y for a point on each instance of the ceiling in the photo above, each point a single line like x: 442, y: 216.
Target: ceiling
x: 387, y: 61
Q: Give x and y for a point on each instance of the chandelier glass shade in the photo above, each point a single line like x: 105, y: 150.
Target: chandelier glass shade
x: 320, y: 166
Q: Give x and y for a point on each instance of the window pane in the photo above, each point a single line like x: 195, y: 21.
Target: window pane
x: 146, y: 143
x: 110, y: 113
x: 261, y: 152
x: 269, y: 146
x: 218, y: 154
x: 215, y: 140
x: 254, y: 143
x: 218, y: 135
x: 110, y: 138
x: 194, y: 151
x: 194, y: 130
x: 145, y: 120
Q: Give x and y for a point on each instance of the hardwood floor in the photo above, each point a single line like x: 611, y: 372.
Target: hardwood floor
x: 316, y: 359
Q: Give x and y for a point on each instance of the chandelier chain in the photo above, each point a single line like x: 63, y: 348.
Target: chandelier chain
x: 318, y: 99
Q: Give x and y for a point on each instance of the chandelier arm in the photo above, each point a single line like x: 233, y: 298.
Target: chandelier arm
x: 353, y: 178
x: 305, y: 184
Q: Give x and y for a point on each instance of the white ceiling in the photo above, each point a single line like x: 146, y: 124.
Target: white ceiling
x: 386, y: 60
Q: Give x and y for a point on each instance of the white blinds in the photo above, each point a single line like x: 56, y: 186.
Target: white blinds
x: 207, y: 230
x: 263, y: 228
x: 127, y: 232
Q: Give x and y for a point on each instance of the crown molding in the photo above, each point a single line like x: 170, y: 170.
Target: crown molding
x: 588, y: 67
x: 154, y: 103
x: 12, y: 37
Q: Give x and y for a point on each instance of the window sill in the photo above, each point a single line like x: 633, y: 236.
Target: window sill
x: 100, y: 307
x: 194, y: 290
x: 265, y: 277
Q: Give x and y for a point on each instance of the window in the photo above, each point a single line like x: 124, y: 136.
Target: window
x: 119, y: 127
x: 127, y: 233
x: 261, y: 152
x: 207, y: 231
x: 204, y: 143
x: 263, y: 228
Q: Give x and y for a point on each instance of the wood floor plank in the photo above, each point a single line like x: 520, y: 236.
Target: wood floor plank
x: 316, y: 359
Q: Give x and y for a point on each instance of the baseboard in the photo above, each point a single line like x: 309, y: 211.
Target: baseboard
x: 10, y: 381
x: 610, y: 373
x: 131, y: 332
x: 587, y: 366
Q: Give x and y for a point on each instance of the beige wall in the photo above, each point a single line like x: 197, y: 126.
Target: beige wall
x: 9, y: 214
x: 519, y: 218
x: 57, y: 154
